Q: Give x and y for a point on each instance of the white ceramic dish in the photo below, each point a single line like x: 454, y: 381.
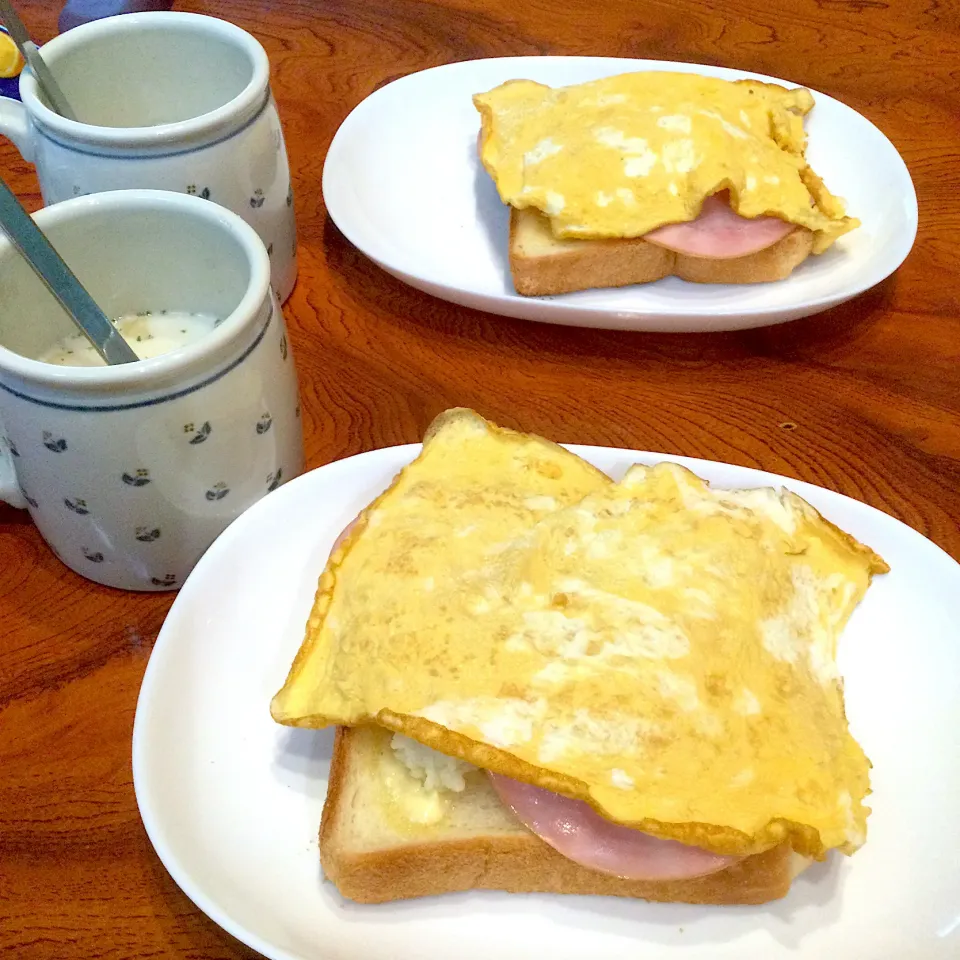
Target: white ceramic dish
x: 403, y: 182
x: 232, y: 802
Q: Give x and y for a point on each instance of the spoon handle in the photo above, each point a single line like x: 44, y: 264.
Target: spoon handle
x: 47, y: 80
x: 30, y: 53
x: 49, y: 266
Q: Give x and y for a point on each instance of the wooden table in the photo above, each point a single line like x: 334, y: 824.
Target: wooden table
x: 864, y: 399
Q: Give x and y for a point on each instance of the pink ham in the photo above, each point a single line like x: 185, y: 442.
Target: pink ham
x: 344, y: 533
x: 719, y: 233
x: 574, y: 829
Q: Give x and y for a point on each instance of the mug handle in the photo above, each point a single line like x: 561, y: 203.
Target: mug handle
x: 9, y: 485
x: 15, y: 126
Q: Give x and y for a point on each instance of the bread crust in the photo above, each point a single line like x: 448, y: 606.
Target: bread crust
x: 542, y: 265
x: 569, y: 265
x: 516, y: 861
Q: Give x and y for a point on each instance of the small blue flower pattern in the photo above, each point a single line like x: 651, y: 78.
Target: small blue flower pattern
x: 140, y: 477
x: 200, y: 433
x: 218, y: 491
x: 56, y: 444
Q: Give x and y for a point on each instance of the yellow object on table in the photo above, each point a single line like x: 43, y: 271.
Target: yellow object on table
x: 11, y: 63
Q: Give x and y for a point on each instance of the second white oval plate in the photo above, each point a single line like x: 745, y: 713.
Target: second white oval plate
x: 232, y: 801
x: 403, y: 182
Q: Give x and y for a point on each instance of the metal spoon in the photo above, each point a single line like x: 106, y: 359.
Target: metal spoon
x: 37, y: 64
x: 49, y: 266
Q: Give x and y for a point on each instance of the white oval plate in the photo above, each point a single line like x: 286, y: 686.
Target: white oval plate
x: 403, y: 182
x: 232, y: 801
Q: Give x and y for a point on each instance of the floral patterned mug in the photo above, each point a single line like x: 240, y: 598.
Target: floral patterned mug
x: 131, y: 471
x: 168, y: 101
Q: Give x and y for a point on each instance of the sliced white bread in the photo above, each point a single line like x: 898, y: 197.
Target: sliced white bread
x: 373, y: 853
x: 541, y: 264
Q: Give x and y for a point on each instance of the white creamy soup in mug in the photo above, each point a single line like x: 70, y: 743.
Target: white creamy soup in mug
x: 149, y: 335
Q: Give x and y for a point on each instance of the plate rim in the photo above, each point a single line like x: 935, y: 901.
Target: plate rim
x: 551, y: 309
x: 149, y: 813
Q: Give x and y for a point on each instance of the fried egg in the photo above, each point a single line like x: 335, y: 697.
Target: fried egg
x: 663, y: 650
x: 624, y: 155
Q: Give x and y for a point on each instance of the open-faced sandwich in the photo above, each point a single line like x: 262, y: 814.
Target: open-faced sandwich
x: 547, y: 681
x: 640, y: 176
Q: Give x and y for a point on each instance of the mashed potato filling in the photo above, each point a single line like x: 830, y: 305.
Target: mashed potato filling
x: 434, y: 770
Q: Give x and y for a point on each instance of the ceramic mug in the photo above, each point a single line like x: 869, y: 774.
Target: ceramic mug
x: 171, y: 101
x: 131, y: 471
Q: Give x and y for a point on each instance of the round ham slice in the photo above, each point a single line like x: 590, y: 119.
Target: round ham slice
x: 576, y: 830
x: 719, y: 233
x: 344, y: 533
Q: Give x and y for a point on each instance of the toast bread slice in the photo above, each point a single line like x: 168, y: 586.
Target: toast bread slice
x: 374, y: 856
x: 542, y: 264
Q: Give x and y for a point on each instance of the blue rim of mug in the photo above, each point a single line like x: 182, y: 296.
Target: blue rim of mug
x: 151, y: 374
x: 206, y: 125
x: 122, y: 154
x: 153, y: 401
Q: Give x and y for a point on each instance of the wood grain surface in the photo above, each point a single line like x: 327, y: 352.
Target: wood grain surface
x: 864, y: 399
